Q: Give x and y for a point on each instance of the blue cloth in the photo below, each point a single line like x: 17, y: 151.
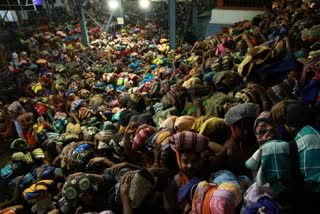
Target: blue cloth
x: 269, y: 205
x: 184, y: 191
x: 310, y: 91
x: 153, y: 66
x: 277, y: 69
x: 147, y: 78
x: 224, y: 176
x: 18, y: 128
x: 80, y: 148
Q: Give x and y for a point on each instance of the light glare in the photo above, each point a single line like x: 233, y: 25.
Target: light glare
x: 144, y: 3
x: 113, y: 4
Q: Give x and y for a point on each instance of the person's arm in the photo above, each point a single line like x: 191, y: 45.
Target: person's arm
x: 115, y: 168
x: 197, y: 104
x: 56, y: 161
x: 278, y: 110
x: 131, y: 129
x: 13, y: 208
x: 156, y: 168
x: 218, y: 152
x: 74, y: 117
x: 124, y: 191
x: 246, y: 38
x: 101, y: 160
x: 170, y: 200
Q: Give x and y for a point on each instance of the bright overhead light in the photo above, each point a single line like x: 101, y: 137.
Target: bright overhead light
x: 144, y: 3
x: 113, y: 4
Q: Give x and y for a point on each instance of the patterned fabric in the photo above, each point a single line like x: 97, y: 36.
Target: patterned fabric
x: 234, y: 190
x: 186, y: 141
x: 210, y: 198
x: 308, y: 143
x: 238, y: 112
x: 25, y: 119
x: 141, y: 137
x: 18, y: 156
x: 223, y: 202
x: 254, y: 192
x: 254, y: 56
x: 224, y: 176
x: 246, y: 96
x: 107, y: 135
x: 282, y: 91
x: 161, y: 116
x: 74, y: 187
x: 272, y: 162
x: 16, y: 108
x: 265, y: 128
x: 37, y: 191
x: 142, y: 180
x: 59, y: 125
x: 202, y: 190
x: 75, y: 104
x: 38, y: 153
x: 85, y: 112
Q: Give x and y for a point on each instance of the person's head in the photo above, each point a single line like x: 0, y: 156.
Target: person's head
x: 298, y: 115
x: 240, y: 118
x: 191, y: 163
x: 242, y: 129
x: 265, y: 128
x: 79, y: 189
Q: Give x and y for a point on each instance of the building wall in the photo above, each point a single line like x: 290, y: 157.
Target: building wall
x: 222, y: 16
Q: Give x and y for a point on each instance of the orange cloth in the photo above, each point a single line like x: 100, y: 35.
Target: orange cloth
x: 207, y: 199
x: 29, y: 137
x: 184, y: 179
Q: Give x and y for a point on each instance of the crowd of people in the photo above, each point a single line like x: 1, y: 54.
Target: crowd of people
x: 228, y: 124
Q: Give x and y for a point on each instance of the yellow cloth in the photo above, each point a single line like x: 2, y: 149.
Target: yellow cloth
x: 191, y: 82
x: 169, y: 122
x: 41, y: 61
x: 231, y: 187
x: 196, y: 125
x: 184, y: 123
x: 38, y: 128
x: 215, y: 129
x: 36, y: 88
x: 73, y: 128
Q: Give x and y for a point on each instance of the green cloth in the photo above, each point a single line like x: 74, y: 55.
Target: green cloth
x: 272, y: 162
x: 214, y: 106
x: 308, y: 143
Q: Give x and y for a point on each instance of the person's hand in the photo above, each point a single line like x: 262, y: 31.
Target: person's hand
x: 131, y: 128
x: 146, y: 126
x: 119, y: 166
x: 196, y: 102
x: 79, y: 210
x: 96, y: 160
x: 187, y: 209
x: 75, y: 175
x: 125, y: 183
x: 256, y: 88
x: 278, y: 110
